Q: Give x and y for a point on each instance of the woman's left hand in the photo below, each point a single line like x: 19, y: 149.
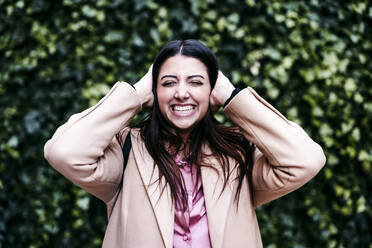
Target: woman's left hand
x: 221, y: 92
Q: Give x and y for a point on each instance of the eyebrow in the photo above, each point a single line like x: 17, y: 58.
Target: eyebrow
x: 173, y: 76
x: 193, y: 76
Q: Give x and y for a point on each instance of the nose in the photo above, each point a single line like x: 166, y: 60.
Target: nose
x: 182, y: 92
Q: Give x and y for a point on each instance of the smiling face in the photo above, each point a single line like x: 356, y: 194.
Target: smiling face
x: 183, y: 90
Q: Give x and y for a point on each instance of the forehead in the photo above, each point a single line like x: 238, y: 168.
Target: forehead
x: 181, y: 65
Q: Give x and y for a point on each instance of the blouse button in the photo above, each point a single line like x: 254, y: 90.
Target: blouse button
x: 185, y: 237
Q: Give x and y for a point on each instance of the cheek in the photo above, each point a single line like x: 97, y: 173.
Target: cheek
x: 162, y: 100
x: 160, y: 95
x: 203, y: 98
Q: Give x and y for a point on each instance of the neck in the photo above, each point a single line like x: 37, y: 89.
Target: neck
x: 184, y: 136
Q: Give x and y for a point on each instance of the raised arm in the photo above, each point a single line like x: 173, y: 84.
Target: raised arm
x: 85, y: 149
x: 286, y: 157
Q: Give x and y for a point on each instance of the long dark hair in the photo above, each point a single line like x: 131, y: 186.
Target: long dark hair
x: 224, y: 142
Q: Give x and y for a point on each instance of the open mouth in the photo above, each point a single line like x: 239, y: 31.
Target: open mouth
x: 186, y: 108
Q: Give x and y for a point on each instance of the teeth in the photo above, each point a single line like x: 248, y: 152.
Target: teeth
x: 182, y: 108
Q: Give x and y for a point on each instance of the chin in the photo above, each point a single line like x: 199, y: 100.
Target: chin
x: 184, y: 128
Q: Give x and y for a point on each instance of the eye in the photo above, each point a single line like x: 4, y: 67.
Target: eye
x: 195, y: 82
x: 168, y: 83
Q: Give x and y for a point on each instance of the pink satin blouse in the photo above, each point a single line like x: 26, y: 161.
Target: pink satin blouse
x: 191, y: 227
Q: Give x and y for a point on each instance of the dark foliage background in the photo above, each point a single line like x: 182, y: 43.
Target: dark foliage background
x: 310, y: 59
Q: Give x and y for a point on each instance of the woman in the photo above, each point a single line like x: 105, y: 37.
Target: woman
x: 188, y: 181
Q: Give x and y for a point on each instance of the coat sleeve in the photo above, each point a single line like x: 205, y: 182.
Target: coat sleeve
x: 286, y: 157
x: 85, y: 149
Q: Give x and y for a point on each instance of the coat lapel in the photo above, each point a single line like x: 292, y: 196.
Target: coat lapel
x: 161, y: 205
x: 217, y: 204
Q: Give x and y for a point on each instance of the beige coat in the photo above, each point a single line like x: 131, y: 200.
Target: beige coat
x: 86, y: 152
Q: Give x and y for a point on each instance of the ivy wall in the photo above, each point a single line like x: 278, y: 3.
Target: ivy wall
x: 310, y: 59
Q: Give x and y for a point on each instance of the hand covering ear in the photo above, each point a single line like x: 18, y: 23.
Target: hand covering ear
x: 221, y: 92
x: 144, y: 89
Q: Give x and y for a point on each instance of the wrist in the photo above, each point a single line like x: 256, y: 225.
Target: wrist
x: 233, y: 94
x: 226, y: 94
x: 140, y: 93
x: 144, y: 93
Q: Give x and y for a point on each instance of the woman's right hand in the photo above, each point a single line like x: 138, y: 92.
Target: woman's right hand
x: 144, y: 89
